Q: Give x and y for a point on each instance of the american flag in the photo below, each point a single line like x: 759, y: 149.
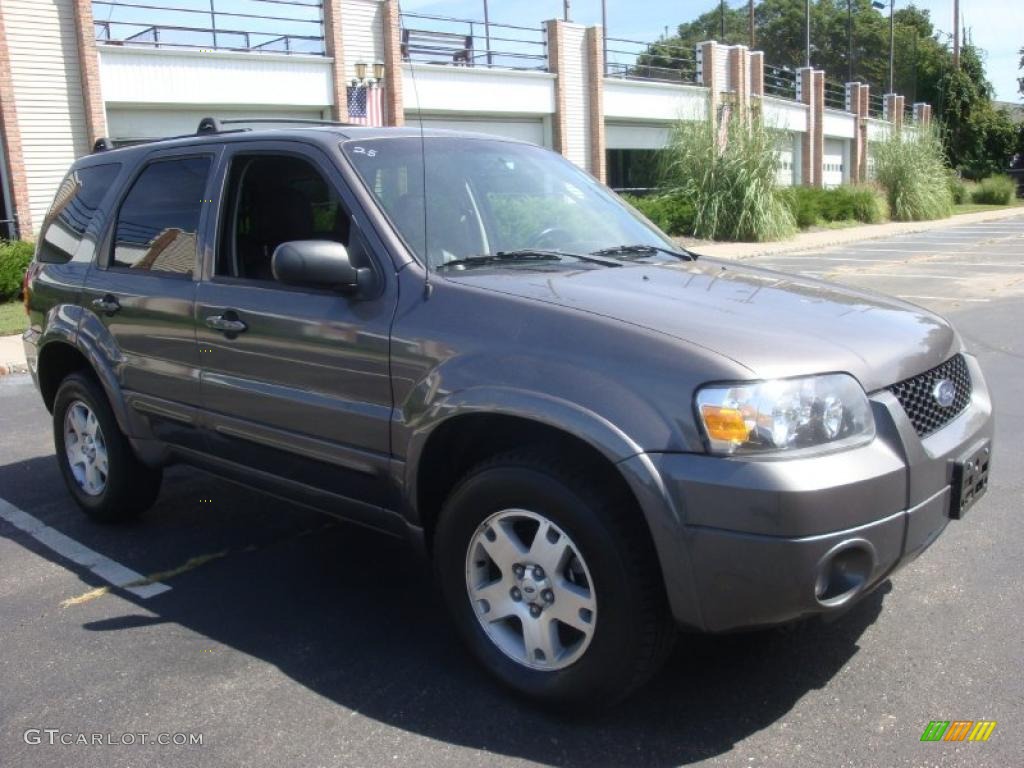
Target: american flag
x: 365, y: 105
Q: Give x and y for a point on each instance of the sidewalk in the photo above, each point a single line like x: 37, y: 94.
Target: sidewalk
x: 814, y: 240
x: 12, y: 355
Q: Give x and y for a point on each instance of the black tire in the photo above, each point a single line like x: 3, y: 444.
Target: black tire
x: 131, y: 487
x: 633, y: 632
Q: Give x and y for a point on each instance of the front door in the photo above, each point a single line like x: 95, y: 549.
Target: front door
x: 140, y: 293
x: 295, y: 382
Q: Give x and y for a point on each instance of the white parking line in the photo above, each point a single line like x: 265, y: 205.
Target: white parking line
x: 940, y: 298
x: 883, y: 275
x: 111, y: 572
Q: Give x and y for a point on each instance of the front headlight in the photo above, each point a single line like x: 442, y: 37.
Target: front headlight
x: 785, y: 414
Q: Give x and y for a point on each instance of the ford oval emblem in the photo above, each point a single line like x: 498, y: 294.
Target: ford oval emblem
x: 944, y: 392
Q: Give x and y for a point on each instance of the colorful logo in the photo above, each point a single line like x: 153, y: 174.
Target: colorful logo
x: 958, y: 730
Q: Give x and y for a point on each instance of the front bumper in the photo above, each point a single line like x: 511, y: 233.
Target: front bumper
x: 766, y: 541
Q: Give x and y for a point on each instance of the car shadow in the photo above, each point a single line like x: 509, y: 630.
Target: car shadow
x: 352, y: 615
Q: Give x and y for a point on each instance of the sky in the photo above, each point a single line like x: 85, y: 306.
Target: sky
x: 996, y: 26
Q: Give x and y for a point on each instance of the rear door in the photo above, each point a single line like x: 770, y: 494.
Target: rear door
x: 139, y: 296
x: 302, y: 391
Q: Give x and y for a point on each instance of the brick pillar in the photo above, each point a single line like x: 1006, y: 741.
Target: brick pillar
x: 739, y: 79
x: 334, y: 47
x: 757, y: 73
x: 394, y: 106
x: 595, y: 103
x: 707, y: 57
x: 818, y: 107
x: 556, y: 65
x: 856, y: 144
x: 922, y: 114
x: 89, y: 67
x: 862, y: 130
x: 894, y: 110
x: 10, y: 133
x: 812, y: 143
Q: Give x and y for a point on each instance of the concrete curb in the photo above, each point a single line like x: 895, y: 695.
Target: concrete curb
x: 12, y: 355
x: 815, y: 240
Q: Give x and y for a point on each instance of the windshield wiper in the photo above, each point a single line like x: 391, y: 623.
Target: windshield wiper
x: 500, y: 256
x: 644, y: 250
x: 524, y: 254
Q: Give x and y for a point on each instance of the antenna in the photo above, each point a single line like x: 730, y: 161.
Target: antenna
x: 427, y: 287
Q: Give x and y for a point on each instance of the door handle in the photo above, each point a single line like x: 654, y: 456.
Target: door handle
x: 227, y: 323
x: 108, y: 305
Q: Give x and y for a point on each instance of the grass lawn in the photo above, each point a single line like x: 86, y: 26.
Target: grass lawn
x: 976, y: 207
x: 12, y: 318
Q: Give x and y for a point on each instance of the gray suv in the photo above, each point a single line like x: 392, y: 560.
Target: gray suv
x: 597, y: 437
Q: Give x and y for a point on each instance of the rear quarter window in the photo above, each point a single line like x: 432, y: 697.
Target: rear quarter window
x: 74, y: 207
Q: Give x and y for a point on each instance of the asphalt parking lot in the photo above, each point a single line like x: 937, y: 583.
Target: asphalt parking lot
x: 287, y: 639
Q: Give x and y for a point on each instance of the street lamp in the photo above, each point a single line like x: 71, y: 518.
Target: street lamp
x: 807, y: 33
x: 892, y: 34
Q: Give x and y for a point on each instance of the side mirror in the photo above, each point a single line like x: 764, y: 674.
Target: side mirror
x: 321, y: 264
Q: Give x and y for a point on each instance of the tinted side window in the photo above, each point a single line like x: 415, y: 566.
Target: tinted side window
x: 273, y: 199
x: 73, y: 208
x: 158, y: 220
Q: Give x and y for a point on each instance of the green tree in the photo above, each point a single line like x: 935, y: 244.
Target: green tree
x: 1020, y: 80
x: 979, y: 138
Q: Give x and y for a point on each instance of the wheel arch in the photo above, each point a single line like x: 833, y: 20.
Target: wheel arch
x: 478, y: 427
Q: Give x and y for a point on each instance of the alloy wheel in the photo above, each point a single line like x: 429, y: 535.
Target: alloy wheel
x: 531, y: 590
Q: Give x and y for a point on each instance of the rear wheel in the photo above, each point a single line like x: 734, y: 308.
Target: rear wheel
x: 99, y: 467
x: 553, y: 582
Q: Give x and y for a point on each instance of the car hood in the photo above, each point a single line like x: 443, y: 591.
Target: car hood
x: 772, y: 323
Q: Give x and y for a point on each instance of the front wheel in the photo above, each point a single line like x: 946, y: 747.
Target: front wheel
x: 99, y: 466
x: 553, y: 582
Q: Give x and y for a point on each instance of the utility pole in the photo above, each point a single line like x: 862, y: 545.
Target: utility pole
x: 721, y: 13
x: 849, y: 31
x: 892, y: 39
x: 604, y: 32
x: 750, y: 10
x: 807, y: 35
x: 567, y: 6
x: 956, y: 34
x: 487, y: 34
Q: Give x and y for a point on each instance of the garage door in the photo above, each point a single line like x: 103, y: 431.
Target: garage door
x: 126, y: 124
x: 524, y: 130
x: 832, y: 162
x: 787, y: 173
x: 635, y: 136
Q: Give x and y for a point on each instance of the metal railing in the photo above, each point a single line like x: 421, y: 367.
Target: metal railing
x: 449, y: 41
x: 835, y: 95
x: 876, y: 105
x: 637, y: 60
x: 258, y: 26
x: 779, y: 82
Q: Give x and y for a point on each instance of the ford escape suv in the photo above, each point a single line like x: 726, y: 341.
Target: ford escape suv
x: 597, y: 437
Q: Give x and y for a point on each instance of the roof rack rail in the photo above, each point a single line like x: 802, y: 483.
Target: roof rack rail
x: 209, y: 125
x: 103, y: 144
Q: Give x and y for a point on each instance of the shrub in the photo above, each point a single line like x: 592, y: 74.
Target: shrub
x: 732, y: 188
x: 960, y: 189
x: 670, y: 213
x: 810, y: 205
x: 911, y: 167
x: 805, y: 205
x: 995, y: 190
x: 15, y: 256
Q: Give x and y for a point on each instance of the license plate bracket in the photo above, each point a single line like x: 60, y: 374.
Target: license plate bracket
x: 970, y: 480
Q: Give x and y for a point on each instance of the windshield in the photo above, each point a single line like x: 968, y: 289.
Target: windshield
x: 490, y: 197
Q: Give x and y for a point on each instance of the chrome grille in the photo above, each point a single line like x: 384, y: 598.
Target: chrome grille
x: 917, y: 398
